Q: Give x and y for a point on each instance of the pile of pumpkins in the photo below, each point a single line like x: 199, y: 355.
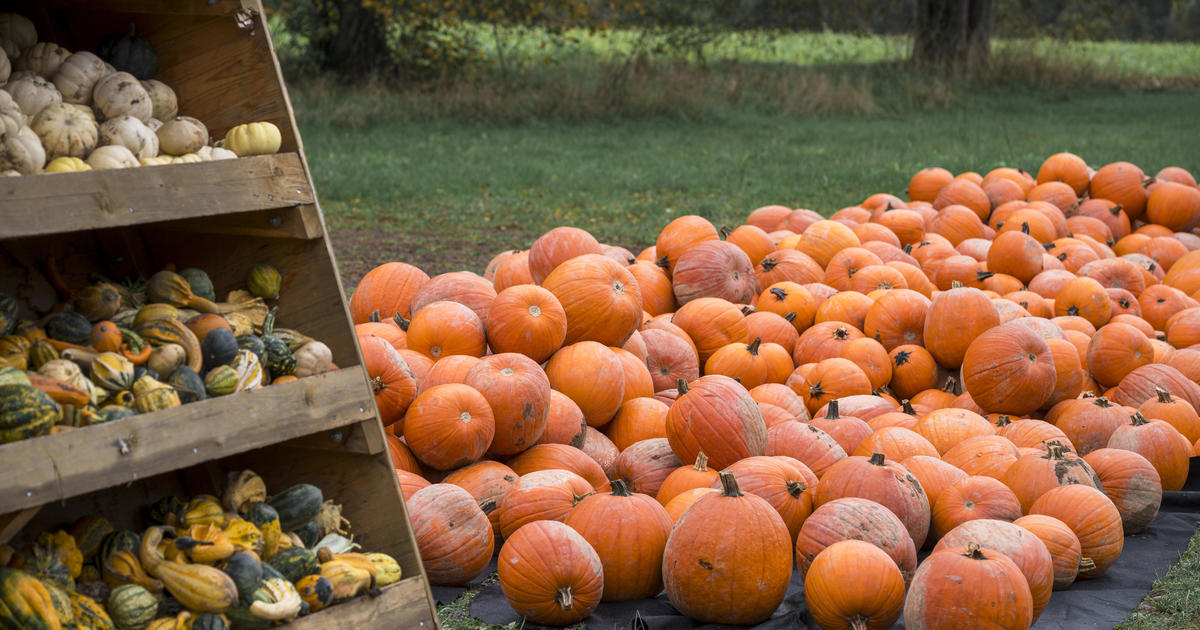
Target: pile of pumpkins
x: 63, y: 111
x: 1002, y: 367
x: 118, y: 350
x: 240, y: 562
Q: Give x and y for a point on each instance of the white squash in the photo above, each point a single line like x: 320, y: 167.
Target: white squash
x: 154, y: 124
x: 32, y: 95
x: 21, y: 152
x: 111, y: 157
x: 312, y: 358
x: 130, y: 133
x: 19, y: 29
x: 9, y: 173
x: 43, y: 59
x: 5, y: 67
x: 121, y: 94
x: 256, y: 138
x: 65, y: 131
x: 219, y: 153
x: 9, y: 107
x: 166, y: 104
x: 10, y: 122
x: 77, y: 77
x: 187, y: 158
x: 17, y: 75
x: 182, y: 135
x: 166, y: 358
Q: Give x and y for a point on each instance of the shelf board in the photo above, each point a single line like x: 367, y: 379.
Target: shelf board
x: 71, y: 463
x: 404, y: 604
x: 67, y: 202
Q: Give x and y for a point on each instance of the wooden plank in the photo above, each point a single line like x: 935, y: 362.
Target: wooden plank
x: 56, y: 467
x: 347, y: 439
x: 46, y: 204
x: 11, y: 524
x: 166, y: 7
x: 405, y: 604
x: 296, y: 222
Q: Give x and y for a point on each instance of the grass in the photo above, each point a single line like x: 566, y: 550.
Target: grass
x: 446, y: 175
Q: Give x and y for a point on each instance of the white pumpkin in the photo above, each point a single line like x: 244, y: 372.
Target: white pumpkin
x: 43, y: 59
x: 77, y: 77
x: 19, y: 29
x: 120, y: 94
x: 10, y: 122
x: 130, y: 133
x: 187, y: 158
x: 66, y: 165
x: 21, y: 152
x: 182, y: 135
x: 33, y: 94
x: 219, y: 153
x: 9, y: 173
x: 154, y: 124
x: 166, y: 104
x: 9, y: 107
x: 5, y: 67
x: 112, y: 156
x: 17, y: 75
x: 65, y: 131
x: 312, y: 358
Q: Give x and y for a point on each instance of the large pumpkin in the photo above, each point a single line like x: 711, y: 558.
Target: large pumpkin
x: 444, y: 328
x: 1020, y: 545
x: 784, y: 482
x: 853, y: 518
x: 876, y: 598
x: 527, y: 319
x: 557, y: 247
x: 464, y: 287
x: 805, y: 443
x: 541, y: 495
x: 974, y: 498
x: 559, y: 457
x: 392, y: 380
x: 591, y: 375
x: 968, y: 587
x: 453, y: 533
x: 680, y: 235
x: 1160, y: 443
x: 716, y: 415
x: 486, y: 480
x: 1093, y: 518
x: 449, y: 426
x: 711, y: 323
x: 518, y: 392
x: 550, y: 574
x: 728, y: 559
x: 1009, y: 369
x: 644, y: 466
x: 600, y: 297
x: 955, y: 318
x: 1060, y: 541
x: 670, y: 357
x: 389, y: 289
x: 1036, y: 473
x: 632, y: 553
x: 885, y: 482
x: 1131, y: 482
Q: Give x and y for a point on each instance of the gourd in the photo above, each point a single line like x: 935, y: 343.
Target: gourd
x: 63, y: 546
x: 154, y: 312
x: 120, y: 94
x: 244, y: 535
x: 221, y: 381
x: 297, y: 505
x: 63, y: 610
x: 112, y: 371
x: 130, y: 132
x: 131, y: 607
x: 266, y: 519
x: 387, y: 570
x: 113, y: 412
x: 187, y: 383
x: 203, y: 509
x: 246, y: 572
x: 162, y: 97
x: 165, y: 359
x: 182, y: 135
x: 25, y: 412
x: 40, y: 353
x: 11, y: 117
x: 198, y: 587
x: 205, y: 544
x: 257, y: 138
x: 42, y: 59
x: 168, y: 287
x: 243, y: 489
x: 129, y: 53
x: 25, y: 602
x: 312, y: 358
x: 199, y: 282
x: 78, y: 75
x: 264, y: 281
x: 151, y: 395
x: 69, y: 326
x: 122, y: 567
x: 277, y: 601
x: 278, y: 354
x: 89, y: 614
x: 119, y: 540
x: 65, y: 131
x: 98, y: 302
x: 219, y: 347
x: 295, y: 563
x: 43, y: 562
x: 18, y: 29
x: 316, y: 591
x: 5, y: 66
x: 164, y: 331
x: 21, y: 151
x: 112, y: 157
x: 32, y: 94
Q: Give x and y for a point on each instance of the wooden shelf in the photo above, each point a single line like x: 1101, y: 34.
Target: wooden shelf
x: 69, y: 202
x: 56, y: 467
x: 400, y: 605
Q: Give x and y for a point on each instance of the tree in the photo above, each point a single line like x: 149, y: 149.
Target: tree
x: 952, y: 32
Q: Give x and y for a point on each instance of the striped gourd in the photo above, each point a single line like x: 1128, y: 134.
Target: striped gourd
x: 112, y: 371
x: 163, y: 331
x: 25, y: 603
x: 25, y: 411
x: 131, y: 606
x: 90, y: 614
x: 264, y: 281
x: 221, y: 381
x: 249, y: 371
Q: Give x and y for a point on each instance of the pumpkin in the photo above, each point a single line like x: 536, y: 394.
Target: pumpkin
x: 599, y: 389
x: 558, y: 246
x: 987, y: 455
x: 713, y: 269
x: 392, y: 380
x: 486, y: 480
x: 644, y: 466
x: 736, y: 573
x: 452, y: 532
x: 256, y: 138
x: 685, y: 478
x: 32, y: 94
x: 989, y: 589
x: 554, y: 589
x: 89, y: 614
x: 638, y: 419
x: 463, y: 287
x: 77, y: 76
x: 18, y: 29
x: 1090, y: 422
x: 527, y: 319
x: 312, y: 358
x: 631, y: 555
x: 1174, y: 411
x: 388, y: 289
x: 449, y: 426
x: 165, y: 105
x: 565, y: 423
x: 21, y: 151
x: 600, y: 298
x: 955, y: 318
x: 897, y: 317
x: 65, y: 131
x: 679, y: 236
x: 1131, y: 482
x: 1033, y: 474
x: 888, y: 483
x: 1160, y: 443
x: 130, y: 132
x: 1009, y: 369
x: 121, y: 94
x: 446, y: 328
x: 129, y: 53
x: 670, y: 357
x: 784, y: 482
x: 182, y: 135
x: 112, y: 371
x: 1062, y: 544
x: 805, y: 443
x: 716, y: 415
x: 542, y: 495
x: 1122, y: 183
x: 264, y: 281
x: 1093, y: 518
x: 972, y: 498
x: 711, y: 323
x: 517, y: 391
x: 875, y: 601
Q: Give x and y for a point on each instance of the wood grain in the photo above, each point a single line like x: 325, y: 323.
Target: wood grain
x: 405, y: 604
x: 47, y: 204
x: 166, y: 7
x: 56, y: 467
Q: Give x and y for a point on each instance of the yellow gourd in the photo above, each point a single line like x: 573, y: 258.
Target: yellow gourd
x: 256, y: 138
x: 67, y: 165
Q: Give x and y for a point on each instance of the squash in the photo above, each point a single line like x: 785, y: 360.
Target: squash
x: 32, y: 94
x: 131, y: 607
x: 167, y: 358
x: 77, y: 77
x: 254, y: 344
x: 112, y: 371
x: 243, y: 489
x: 295, y: 563
x: 25, y: 411
x: 266, y: 519
x: 118, y: 540
x: 182, y: 135
x: 297, y: 505
x: 130, y: 132
x: 43, y: 562
x: 42, y: 59
x: 198, y: 587
x: 163, y: 331
x: 25, y: 602
x: 221, y: 381
x: 113, y: 412
x: 113, y: 156
x: 154, y: 312
x: 69, y: 326
x: 65, y: 548
x: 249, y: 371
x: 99, y: 302
x: 277, y: 601
x: 129, y: 53
x: 123, y: 567
x: 8, y: 314
x: 63, y: 610
x: 246, y: 571
x: 21, y: 151
x: 168, y: 287
x: 187, y: 383
x: 151, y: 395
x: 244, y: 535
x: 13, y: 376
x: 257, y: 138
x: 387, y: 570
x: 65, y: 131
x: 264, y: 281
x: 316, y: 591
x: 347, y: 579
x: 67, y: 165
x: 312, y: 358
x: 203, y: 509
x: 19, y: 29
x: 41, y: 353
x: 121, y: 94
x: 89, y: 533
x: 165, y: 103
x: 278, y: 353
x: 89, y: 614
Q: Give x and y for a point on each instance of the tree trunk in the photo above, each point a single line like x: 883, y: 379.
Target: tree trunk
x: 952, y: 33
x: 357, y: 42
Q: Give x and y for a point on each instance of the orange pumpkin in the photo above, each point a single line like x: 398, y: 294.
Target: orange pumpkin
x: 805, y: 443
x: 1025, y: 550
x: 670, y: 357
x: 713, y: 269
x: 392, y: 380
x: 1060, y: 541
x: 645, y: 465
x: 464, y: 287
x: 444, y: 328
x: 557, y: 247
x: 717, y: 416
x: 1093, y: 518
x: 1160, y: 443
x: 512, y: 271
x: 1122, y: 183
x: 559, y: 457
x: 1067, y: 168
x: 449, y: 426
x: 1131, y: 482
x: 711, y: 323
x: 600, y: 297
x: 785, y: 483
x: 564, y: 422
x: 541, y: 495
x: 1174, y: 411
x: 995, y: 591
x: 913, y: 370
x: 638, y: 419
x: 857, y: 519
x: 878, y: 594
x: 453, y: 534
x: 1009, y: 369
x: 655, y: 287
x: 527, y: 319
x: 518, y: 393
x: 388, y: 289
x: 751, y: 364
x: 485, y: 480
x: 1116, y: 350
x: 887, y: 483
x: 556, y: 589
x: 592, y: 376
x: 680, y: 235
x: 955, y: 318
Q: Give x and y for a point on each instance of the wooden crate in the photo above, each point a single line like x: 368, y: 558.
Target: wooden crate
x: 222, y: 217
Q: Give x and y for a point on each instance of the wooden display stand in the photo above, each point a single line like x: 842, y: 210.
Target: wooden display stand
x: 222, y: 217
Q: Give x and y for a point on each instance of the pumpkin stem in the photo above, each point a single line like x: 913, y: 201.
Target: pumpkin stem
x: 1054, y: 450
x: 1164, y: 396
x: 974, y: 552
x: 564, y: 598
x: 906, y: 407
x: 779, y: 294
x: 1088, y: 394
x: 951, y: 386
x: 748, y: 310
x: 901, y: 357
x: 681, y: 386
x: 768, y: 263
x: 1102, y: 402
x: 753, y: 347
x: 832, y: 412
x: 724, y: 232
x: 789, y: 317
x: 877, y: 459
x: 1138, y: 419
x: 841, y: 334
x: 1003, y: 421
x: 955, y: 284
x: 980, y: 276
x: 663, y: 262
x: 1025, y: 227
x: 908, y: 249
x: 619, y: 488
x: 1086, y: 564
x: 374, y: 316
x: 1072, y: 310
x: 729, y: 487
x: 401, y: 322
x: 796, y: 488
x: 701, y: 462
x: 488, y: 505
x: 857, y: 622
x: 1115, y: 210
